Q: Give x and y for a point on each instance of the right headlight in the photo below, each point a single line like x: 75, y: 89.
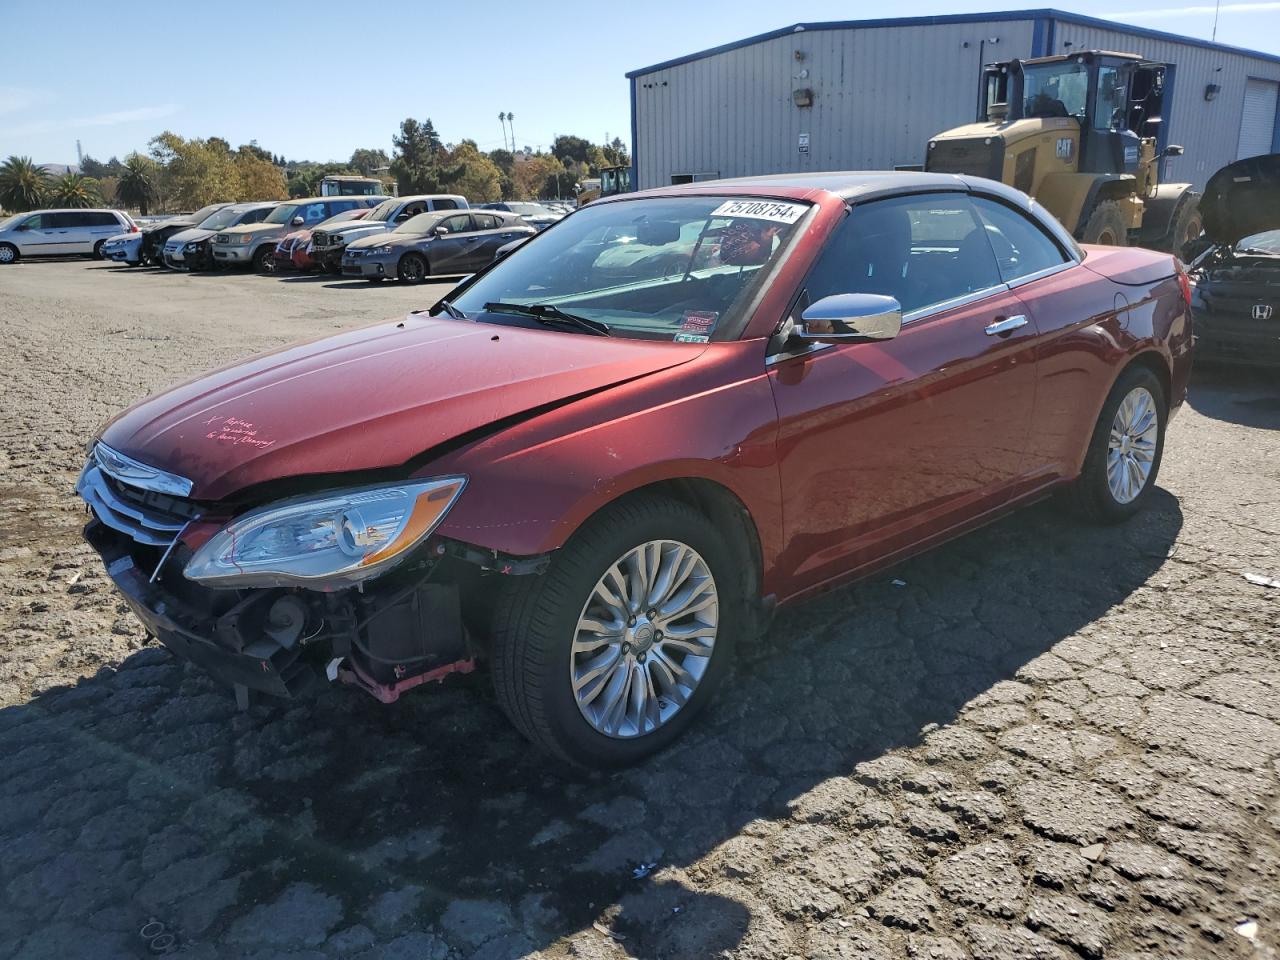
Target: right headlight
x: 333, y: 540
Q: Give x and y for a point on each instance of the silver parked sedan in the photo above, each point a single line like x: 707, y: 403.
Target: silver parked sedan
x: 446, y: 242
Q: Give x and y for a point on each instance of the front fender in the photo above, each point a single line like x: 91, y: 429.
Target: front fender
x: 533, y: 484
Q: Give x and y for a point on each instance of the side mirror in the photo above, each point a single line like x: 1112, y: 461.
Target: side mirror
x: 22, y: 226
x: 1172, y: 150
x: 850, y: 318
x: 441, y: 231
x: 297, y: 221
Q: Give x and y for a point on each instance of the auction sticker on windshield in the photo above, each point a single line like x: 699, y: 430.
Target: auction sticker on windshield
x: 761, y: 210
x: 697, y: 326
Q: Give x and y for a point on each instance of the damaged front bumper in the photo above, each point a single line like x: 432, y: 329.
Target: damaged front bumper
x: 384, y: 639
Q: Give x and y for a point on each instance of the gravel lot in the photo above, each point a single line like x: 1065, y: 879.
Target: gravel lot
x: 1045, y: 741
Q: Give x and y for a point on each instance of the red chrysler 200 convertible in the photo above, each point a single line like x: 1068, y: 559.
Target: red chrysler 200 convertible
x: 610, y: 455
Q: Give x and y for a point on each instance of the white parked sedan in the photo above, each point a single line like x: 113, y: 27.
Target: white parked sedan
x: 124, y: 248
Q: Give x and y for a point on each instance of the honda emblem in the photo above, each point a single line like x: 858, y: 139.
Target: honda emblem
x: 1262, y: 311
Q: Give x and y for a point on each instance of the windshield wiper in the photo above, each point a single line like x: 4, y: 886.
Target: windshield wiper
x: 546, y: 313
x: 453, y: 312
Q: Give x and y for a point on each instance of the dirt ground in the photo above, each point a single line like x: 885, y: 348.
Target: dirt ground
x: 1042, y: 741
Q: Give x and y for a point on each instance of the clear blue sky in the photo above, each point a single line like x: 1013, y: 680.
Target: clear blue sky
x: 317, y: 79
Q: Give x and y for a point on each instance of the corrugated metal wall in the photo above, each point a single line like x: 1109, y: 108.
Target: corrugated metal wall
x: 879, y: 94
x: 1209, y: 130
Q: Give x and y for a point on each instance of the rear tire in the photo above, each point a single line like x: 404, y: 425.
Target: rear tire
x: 539, y: 621
x: 8, y: 254
x: 1122, y: 442
x: 1106, y: 225
x: 413, y: 268
x: 1186, y: 229
x: 97, y: 250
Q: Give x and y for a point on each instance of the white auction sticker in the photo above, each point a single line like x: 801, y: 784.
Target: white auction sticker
x: 761, y: 210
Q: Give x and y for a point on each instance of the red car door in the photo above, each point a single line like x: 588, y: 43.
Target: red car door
x: 883, y: 445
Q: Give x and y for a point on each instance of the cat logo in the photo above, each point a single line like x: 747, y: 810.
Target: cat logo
x: 1065, y: 148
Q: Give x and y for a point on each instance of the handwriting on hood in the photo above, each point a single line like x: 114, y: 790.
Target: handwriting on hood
x: 235, y: 432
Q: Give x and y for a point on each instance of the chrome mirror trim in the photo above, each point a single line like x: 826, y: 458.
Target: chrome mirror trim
x: 850, y: 318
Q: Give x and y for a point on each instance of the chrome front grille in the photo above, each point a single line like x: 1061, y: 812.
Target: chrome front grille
x: 135, y: 499
x: 143, y: 524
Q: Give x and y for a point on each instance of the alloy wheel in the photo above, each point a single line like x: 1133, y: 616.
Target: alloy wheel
x: 644, y: 639
x: 1131, y: 448
x: 6, y: 254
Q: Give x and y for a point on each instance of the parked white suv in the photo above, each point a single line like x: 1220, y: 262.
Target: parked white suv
x: 59, y: 233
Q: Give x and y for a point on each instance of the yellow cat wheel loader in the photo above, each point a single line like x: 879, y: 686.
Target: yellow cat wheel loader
x: 1080, y: 133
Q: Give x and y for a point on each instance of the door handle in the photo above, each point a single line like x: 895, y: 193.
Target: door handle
x: 1007, y: 325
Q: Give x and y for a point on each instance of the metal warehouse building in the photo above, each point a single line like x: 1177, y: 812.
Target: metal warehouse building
x: 868, y: 94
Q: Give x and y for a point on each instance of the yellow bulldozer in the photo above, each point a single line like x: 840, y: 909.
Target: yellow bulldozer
x: 615, y: 179
x: 1081, y: 133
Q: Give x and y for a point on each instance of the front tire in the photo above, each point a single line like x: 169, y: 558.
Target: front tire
x: 263, y: 259
x: 1123, y: 460
x: 1106, y: 225
x: 413, y: 268
x: 609, y: 656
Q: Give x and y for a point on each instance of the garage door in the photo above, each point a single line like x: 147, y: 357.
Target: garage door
x: 1258, y: 123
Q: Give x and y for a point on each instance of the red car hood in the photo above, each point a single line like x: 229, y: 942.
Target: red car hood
x: 368, y: 399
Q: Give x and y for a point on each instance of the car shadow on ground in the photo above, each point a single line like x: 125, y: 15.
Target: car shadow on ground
x: 1248, y: 396
x: 142, y: 793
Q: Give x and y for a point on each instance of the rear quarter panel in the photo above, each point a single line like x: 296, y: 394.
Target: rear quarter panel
x: 1091, y: 328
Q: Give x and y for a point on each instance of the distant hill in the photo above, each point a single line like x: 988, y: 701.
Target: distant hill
x: 58, y: 169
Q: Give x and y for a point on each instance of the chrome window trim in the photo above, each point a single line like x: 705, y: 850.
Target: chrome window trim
x: 1041, y: 274
x: 923, y: 313
x: 134, y: 473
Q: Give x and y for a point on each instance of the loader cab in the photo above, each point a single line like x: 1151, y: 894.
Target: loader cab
x: 1116, y: 98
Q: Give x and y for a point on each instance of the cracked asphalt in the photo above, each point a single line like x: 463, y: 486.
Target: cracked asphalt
x: 1044, y: 740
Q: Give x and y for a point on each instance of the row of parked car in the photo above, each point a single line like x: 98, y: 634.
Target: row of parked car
x: 373, y: 237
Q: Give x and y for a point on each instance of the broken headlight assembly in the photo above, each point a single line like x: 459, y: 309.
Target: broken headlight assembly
x: 332, y: 540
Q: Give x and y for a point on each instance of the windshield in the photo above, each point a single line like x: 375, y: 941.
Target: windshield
x: 420, y: 224
x: 205, y: 212
x: 341, y: 217
x: 7, y: 222
x: 1268, y: 242
x: 670, y: 268
x: 1055, y: 90
x: 382, y: 212
x: 283, y: 213
x: 223, y: 218
x: 528, y: 209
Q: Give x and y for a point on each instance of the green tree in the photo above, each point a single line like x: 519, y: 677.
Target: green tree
x: 97, y: 169
x: 260, y: 179
x: 569, y: 149
x: 614, y: 154
x: 23, y: 185
x: 137, y: 186
x: 196, y: 172
x: 367, y: 162
x: 420, y: 161
x: 480, y: 180
x: 75, y: 190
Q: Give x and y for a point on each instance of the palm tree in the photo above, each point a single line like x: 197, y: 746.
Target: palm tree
x: 75, y: 190
x: 23, y: 185
x: 137, y: 186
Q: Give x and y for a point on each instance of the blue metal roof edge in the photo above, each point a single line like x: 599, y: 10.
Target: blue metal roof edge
x: 1038, y: 14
